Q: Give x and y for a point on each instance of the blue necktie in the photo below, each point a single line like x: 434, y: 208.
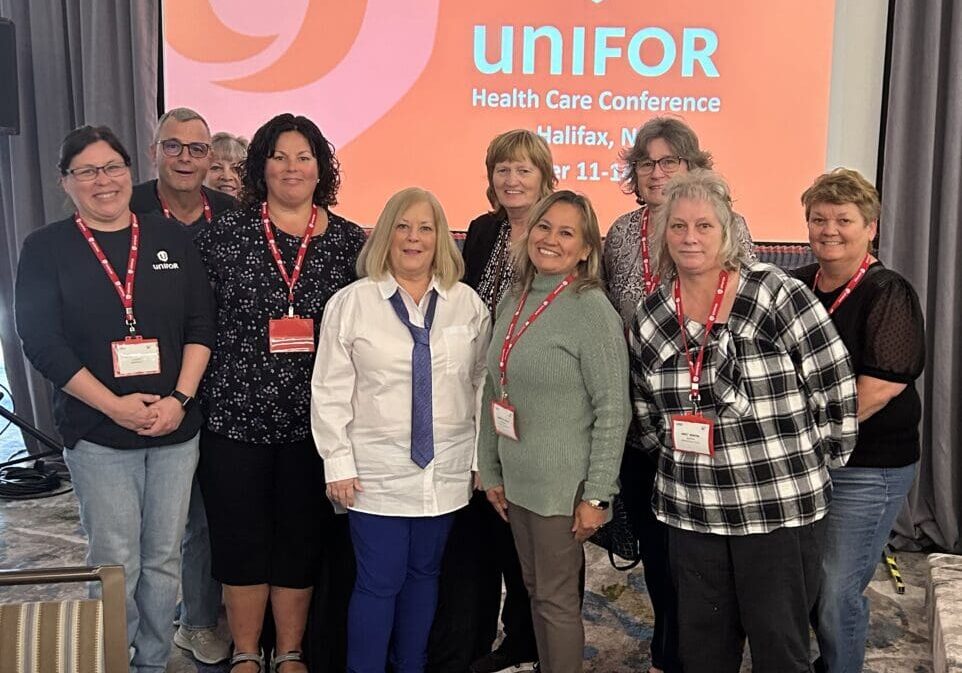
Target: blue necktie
x: 422, y: 412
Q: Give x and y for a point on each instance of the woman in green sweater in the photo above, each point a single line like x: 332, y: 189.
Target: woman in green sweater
x: 557, y: 394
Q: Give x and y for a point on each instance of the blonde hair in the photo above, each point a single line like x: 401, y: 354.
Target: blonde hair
x: 519, y: 145
x: 227, y: 147
x: 375, y: 258
x: 697, y: 185
x: 589, y: 271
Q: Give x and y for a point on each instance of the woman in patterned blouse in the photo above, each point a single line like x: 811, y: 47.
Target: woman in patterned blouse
x: 520, y: 173
x: 664, y: 147
x: 273, y: 263
x: 744, y: 392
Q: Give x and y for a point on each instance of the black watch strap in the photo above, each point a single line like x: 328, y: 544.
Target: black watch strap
x: 184, y: 400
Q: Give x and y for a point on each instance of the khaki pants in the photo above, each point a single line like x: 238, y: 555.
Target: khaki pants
x: 551, y: 564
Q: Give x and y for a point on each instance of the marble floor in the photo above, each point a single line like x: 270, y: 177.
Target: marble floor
x: 46, y: 533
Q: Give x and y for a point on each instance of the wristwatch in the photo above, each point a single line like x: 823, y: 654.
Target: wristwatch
x: 598, y: 504
x: 184, y: 400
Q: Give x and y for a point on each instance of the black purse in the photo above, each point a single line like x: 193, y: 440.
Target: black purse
x: 618, y: 537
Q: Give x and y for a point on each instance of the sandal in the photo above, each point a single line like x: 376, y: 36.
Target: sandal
x: 242, y: 657
x: 293, y: 655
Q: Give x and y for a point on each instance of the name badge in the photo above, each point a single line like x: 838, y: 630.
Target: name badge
x: 291, y: 334
x: 503, y: 415
x: 135, y: 356
x: 693, y: 433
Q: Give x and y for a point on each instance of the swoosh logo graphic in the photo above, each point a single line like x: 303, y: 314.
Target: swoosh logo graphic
x: 193, y: 29
x: 324, y: 39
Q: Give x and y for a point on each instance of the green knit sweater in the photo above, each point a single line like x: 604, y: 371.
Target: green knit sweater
x: 568, y: 382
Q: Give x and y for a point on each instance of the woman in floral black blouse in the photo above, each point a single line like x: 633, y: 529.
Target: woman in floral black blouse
x: 273, y: 263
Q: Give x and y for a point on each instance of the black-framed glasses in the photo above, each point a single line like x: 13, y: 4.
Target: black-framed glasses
x: 667, y: 164
x: 89, y: 173
x: 174, y: 148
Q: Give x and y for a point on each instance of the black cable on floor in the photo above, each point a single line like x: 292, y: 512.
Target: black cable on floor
x: 26, y: 483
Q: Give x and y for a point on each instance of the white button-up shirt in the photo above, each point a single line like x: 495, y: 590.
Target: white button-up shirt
x: 361, y: 396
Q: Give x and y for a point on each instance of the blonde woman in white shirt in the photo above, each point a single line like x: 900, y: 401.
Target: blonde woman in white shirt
x: 394, y: 397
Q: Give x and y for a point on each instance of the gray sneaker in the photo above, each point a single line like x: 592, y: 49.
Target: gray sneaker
x: 206, y: 646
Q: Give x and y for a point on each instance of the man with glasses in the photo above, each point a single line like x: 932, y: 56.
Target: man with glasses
x: 180, y: 151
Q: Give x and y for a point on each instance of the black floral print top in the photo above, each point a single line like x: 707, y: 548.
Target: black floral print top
x: 248, y: 394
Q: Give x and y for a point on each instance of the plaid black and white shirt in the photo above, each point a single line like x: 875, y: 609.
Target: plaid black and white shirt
x: 778, y: 383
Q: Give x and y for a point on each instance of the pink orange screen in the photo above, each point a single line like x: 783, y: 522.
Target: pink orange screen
x: 410, y: 92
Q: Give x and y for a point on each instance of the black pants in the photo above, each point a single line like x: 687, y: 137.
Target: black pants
x: 480, y: 551
x: 325, y: 639
x: 637, y: 482
x: 760, y: 586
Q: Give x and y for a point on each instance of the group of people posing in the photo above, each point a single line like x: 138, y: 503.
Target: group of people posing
x: 237, y: 361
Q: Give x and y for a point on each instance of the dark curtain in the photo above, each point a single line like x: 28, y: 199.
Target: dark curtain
x: 922, y: 239
x: 78, y: 63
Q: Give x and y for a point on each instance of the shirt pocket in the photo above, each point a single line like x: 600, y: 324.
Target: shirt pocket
x: 458, y: 343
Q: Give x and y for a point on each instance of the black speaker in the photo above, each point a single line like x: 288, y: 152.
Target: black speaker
x: 9, y: 90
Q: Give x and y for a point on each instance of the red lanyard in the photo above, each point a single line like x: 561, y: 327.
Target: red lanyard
x: 850, y: 287
x: 124, y: 290
x: 650, y: 280
x: 290, y: 280
x: 511, y: 339
x: 208, y: 215
x: 694, y: 368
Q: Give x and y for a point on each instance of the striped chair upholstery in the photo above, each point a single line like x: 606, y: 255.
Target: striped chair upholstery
x: 69, y: 636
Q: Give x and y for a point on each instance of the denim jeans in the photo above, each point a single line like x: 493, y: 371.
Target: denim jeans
x: 201, y: 592
x: 865, y: 502
x: 133, y: 507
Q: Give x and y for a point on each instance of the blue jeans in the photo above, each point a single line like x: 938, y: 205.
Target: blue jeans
x: 865, y: 502
x: 133, y: 507
x: 396, y: 591
x: 201, y: 592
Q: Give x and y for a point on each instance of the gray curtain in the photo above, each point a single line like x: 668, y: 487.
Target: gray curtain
x: 79, y: 63
x: 922, y: 239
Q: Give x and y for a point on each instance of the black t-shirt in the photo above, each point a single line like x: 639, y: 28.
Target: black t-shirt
x: 881, y: 325
x: 68, y: 314
x: 145, y: 200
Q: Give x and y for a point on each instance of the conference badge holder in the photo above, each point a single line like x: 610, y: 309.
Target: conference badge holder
x: 291, y: 334
x: 693, y: 433
x: 135, y: 356
x: 502, y: 413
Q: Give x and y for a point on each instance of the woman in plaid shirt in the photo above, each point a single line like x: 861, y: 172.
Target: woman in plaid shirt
x: 745, y: 390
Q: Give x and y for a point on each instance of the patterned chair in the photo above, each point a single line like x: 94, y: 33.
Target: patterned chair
x: 69, y: 636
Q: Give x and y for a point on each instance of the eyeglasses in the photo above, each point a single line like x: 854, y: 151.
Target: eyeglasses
x: 668, y: 165
x: 174, y: 148
x: 89, y: 173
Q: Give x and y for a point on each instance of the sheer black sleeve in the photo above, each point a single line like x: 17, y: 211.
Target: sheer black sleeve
x: 894, y: 334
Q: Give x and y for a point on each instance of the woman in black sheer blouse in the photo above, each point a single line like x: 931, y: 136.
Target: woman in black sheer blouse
x: 877, y: 314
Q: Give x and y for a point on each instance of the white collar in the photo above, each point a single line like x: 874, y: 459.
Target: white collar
x: 387, y: 286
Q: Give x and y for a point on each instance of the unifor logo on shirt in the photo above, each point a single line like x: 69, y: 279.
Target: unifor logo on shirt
x: 164, y: 264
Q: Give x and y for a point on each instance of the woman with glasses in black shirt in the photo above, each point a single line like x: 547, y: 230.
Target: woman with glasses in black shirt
x: 125, y: 359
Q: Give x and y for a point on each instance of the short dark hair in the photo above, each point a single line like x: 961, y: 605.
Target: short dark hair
x: 254, y: 187
x: 679, y: 136
x: 83, y: 136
